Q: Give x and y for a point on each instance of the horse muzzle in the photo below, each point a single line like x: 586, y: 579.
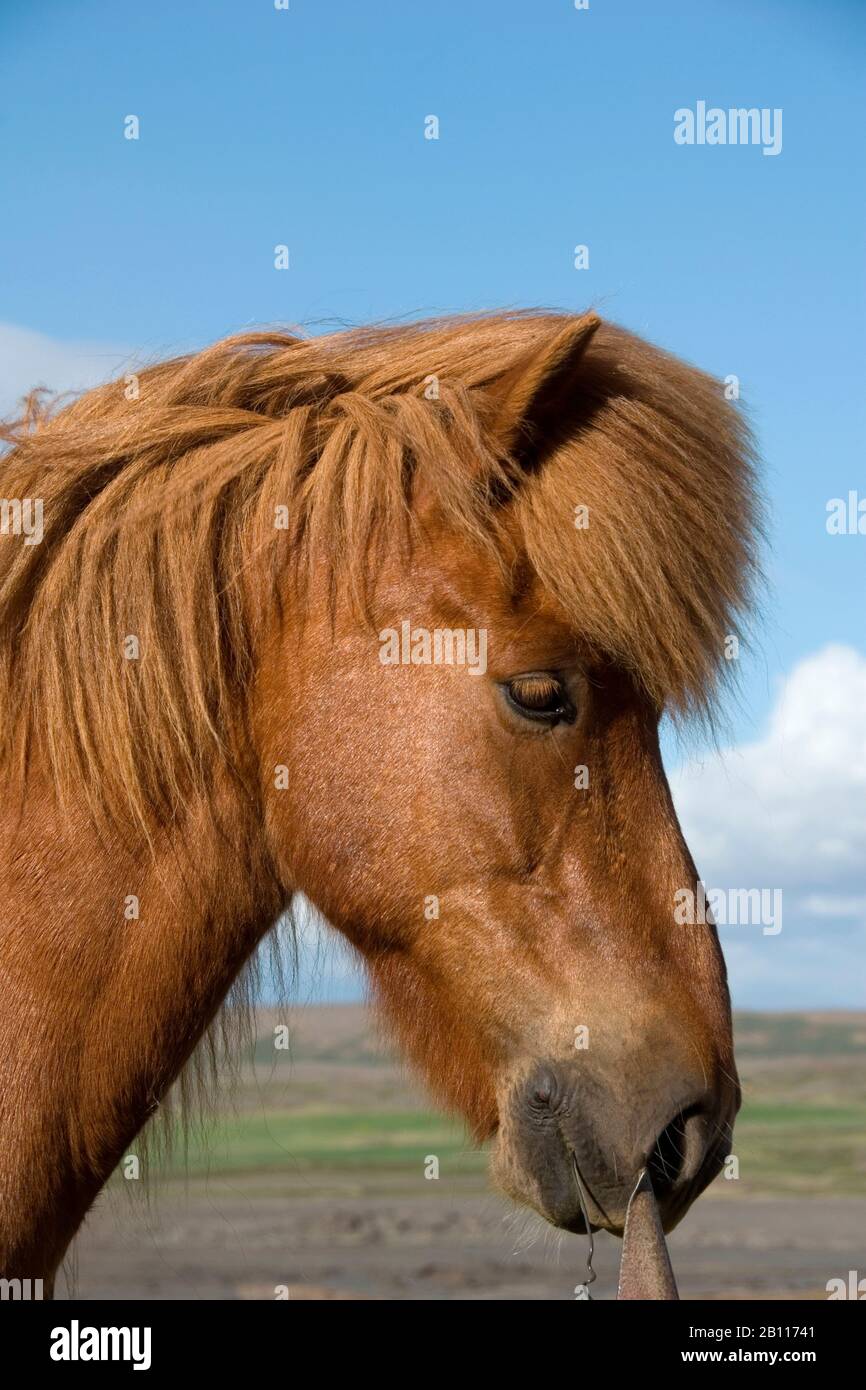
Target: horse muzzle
x: 559, y: 1118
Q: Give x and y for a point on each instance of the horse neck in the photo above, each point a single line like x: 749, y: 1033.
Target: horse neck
x: 115, y: 960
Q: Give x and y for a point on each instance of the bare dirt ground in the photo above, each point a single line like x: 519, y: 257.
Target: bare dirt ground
x: 228, y: 1241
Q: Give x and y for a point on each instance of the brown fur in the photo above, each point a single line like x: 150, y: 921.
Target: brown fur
x: 161, y: 524
x: 155, y: 776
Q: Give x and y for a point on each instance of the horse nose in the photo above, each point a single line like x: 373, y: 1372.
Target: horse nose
x: 570, y: 1129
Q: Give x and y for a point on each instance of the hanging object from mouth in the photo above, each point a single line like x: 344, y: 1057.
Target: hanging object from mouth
x: 645, y: 1269
x: 581, y: 1292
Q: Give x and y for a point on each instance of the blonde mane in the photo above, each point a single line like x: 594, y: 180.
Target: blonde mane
x: 161, y: 522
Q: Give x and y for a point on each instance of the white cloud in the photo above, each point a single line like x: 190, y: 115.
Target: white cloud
x: 29, y: 359
x: 789, y: 812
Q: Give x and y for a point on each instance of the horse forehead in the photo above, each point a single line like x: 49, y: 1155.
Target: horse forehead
x: 462, y: 580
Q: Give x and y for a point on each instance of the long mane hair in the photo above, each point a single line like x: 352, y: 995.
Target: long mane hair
x: 183, y: 514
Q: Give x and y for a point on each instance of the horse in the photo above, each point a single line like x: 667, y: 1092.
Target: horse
x: 203, y: 716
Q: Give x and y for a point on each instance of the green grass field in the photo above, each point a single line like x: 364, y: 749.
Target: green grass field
x: 345, y: 1139
x: 802, y: 1129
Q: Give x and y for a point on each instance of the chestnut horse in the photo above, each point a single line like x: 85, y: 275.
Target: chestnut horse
x: 388, y: 618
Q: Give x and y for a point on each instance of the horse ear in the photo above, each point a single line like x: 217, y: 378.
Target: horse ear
x: 530, y: 393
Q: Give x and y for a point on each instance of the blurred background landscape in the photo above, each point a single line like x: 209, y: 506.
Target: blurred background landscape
x: 313, y: 1177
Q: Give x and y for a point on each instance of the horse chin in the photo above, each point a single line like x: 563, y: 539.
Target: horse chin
x: 548, y: 1188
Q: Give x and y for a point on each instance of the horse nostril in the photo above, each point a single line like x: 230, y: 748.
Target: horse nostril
x: 544, y: 1088
x: 667, y: 1159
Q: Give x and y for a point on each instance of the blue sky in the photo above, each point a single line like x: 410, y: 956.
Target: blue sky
x: 306, y: 127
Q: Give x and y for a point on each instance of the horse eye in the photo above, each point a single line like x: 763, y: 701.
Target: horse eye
x: 541, y: 697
